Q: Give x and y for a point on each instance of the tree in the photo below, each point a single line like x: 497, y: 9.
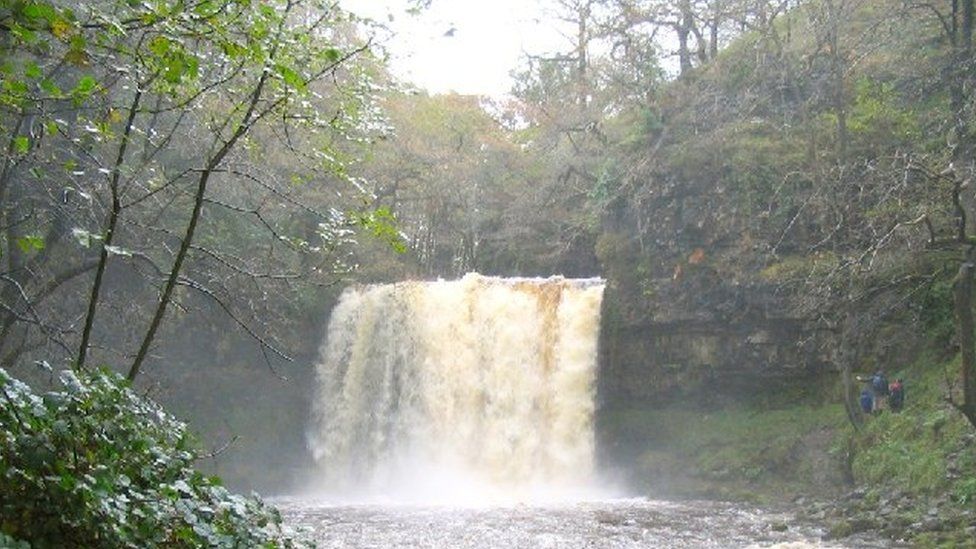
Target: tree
x: 451, y: 174
x: 164, y: 101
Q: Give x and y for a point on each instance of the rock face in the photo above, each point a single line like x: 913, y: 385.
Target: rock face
x: 712, y: 356
x: 696, y: 348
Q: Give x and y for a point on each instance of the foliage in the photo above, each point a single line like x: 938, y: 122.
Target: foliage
x: 877, y: 116
x: 911, y: 450
x: 381, y: 223
x: 937, y: 314
x: 95, y: 465
x: 456, y: 184
x: 124, y: 123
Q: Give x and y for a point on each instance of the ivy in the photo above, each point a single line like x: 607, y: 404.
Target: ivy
x: 95, y: 465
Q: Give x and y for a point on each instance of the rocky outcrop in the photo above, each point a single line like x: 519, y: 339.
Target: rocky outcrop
x: 706, y: 354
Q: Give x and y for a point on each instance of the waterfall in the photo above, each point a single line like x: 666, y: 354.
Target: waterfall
x: 443, y: 386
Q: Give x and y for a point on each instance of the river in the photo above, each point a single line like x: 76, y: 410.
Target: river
x: 611, y: 524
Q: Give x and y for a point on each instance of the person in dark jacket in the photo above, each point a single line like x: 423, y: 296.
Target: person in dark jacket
x: 879, y: 390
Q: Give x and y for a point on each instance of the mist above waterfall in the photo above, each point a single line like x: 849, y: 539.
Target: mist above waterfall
x: 442, y: 390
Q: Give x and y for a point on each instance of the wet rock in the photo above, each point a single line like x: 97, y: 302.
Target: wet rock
x: 900, y: 521
x: 892, y: 532
x: 839, y: 530
x: 611, y: 519
x: 862, y: 524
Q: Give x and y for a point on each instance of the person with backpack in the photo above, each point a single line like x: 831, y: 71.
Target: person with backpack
x: 879, y: 390
x: 896, y: 395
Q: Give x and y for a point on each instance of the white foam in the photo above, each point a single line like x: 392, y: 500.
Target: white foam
x: 478, y: 390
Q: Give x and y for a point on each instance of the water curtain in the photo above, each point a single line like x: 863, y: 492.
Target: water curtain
x: 483, y: 380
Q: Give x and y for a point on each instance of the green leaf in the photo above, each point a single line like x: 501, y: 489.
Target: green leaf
x: 50, y: 88
x: 30, y: 243
x: 84, y: 88
x: 23, y: 34
x: 382, y: 224
x: 160, y: 45
x: 40, y: 10
x: 77, y: 54
x: 174, y: 70
x: 16, y: 87
x: 291, y: 77
x: 31, y: 70
x: 233, y: 49
x: 21, y: 144
x: 205, y: 8
x: 332, y: 55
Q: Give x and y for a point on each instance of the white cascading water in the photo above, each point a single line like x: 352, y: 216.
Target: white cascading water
x: 479, y: 389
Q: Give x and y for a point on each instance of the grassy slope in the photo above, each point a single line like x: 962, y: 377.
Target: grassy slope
x: 913, y: 472
x: 743, y: 453
x: 916, y: 468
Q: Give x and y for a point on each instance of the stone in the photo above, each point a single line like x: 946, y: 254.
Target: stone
x: 839, y: 530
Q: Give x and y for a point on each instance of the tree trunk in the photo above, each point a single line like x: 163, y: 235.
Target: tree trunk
x: 849, y: 354
x: 713, y: 37
x: 110, y: 233
x: 683, y: 28
x: 582, y: 61
x: 248, y: 119
x: 960, y: 76
x: 963, y: 290
x: 835, y: 17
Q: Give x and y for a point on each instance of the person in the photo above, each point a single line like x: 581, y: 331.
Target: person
x: 867, y: 403
x: 896, y: 395
x: 879, y: 390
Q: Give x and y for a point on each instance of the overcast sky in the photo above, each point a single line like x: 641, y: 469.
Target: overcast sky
x: 467, y: 46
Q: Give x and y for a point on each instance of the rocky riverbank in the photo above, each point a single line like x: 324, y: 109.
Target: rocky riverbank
x: 938, y: 519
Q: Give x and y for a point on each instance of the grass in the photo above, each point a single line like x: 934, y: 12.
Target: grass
x: 772, y: 449
x: 745, y: 452
x: 910, y: 451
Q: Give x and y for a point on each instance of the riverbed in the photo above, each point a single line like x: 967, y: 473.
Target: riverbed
x: 611, y: 524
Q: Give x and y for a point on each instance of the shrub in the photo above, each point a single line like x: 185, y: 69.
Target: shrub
x: 95, y: 465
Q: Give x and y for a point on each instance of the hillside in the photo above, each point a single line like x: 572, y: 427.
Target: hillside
x: 793, y: 222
